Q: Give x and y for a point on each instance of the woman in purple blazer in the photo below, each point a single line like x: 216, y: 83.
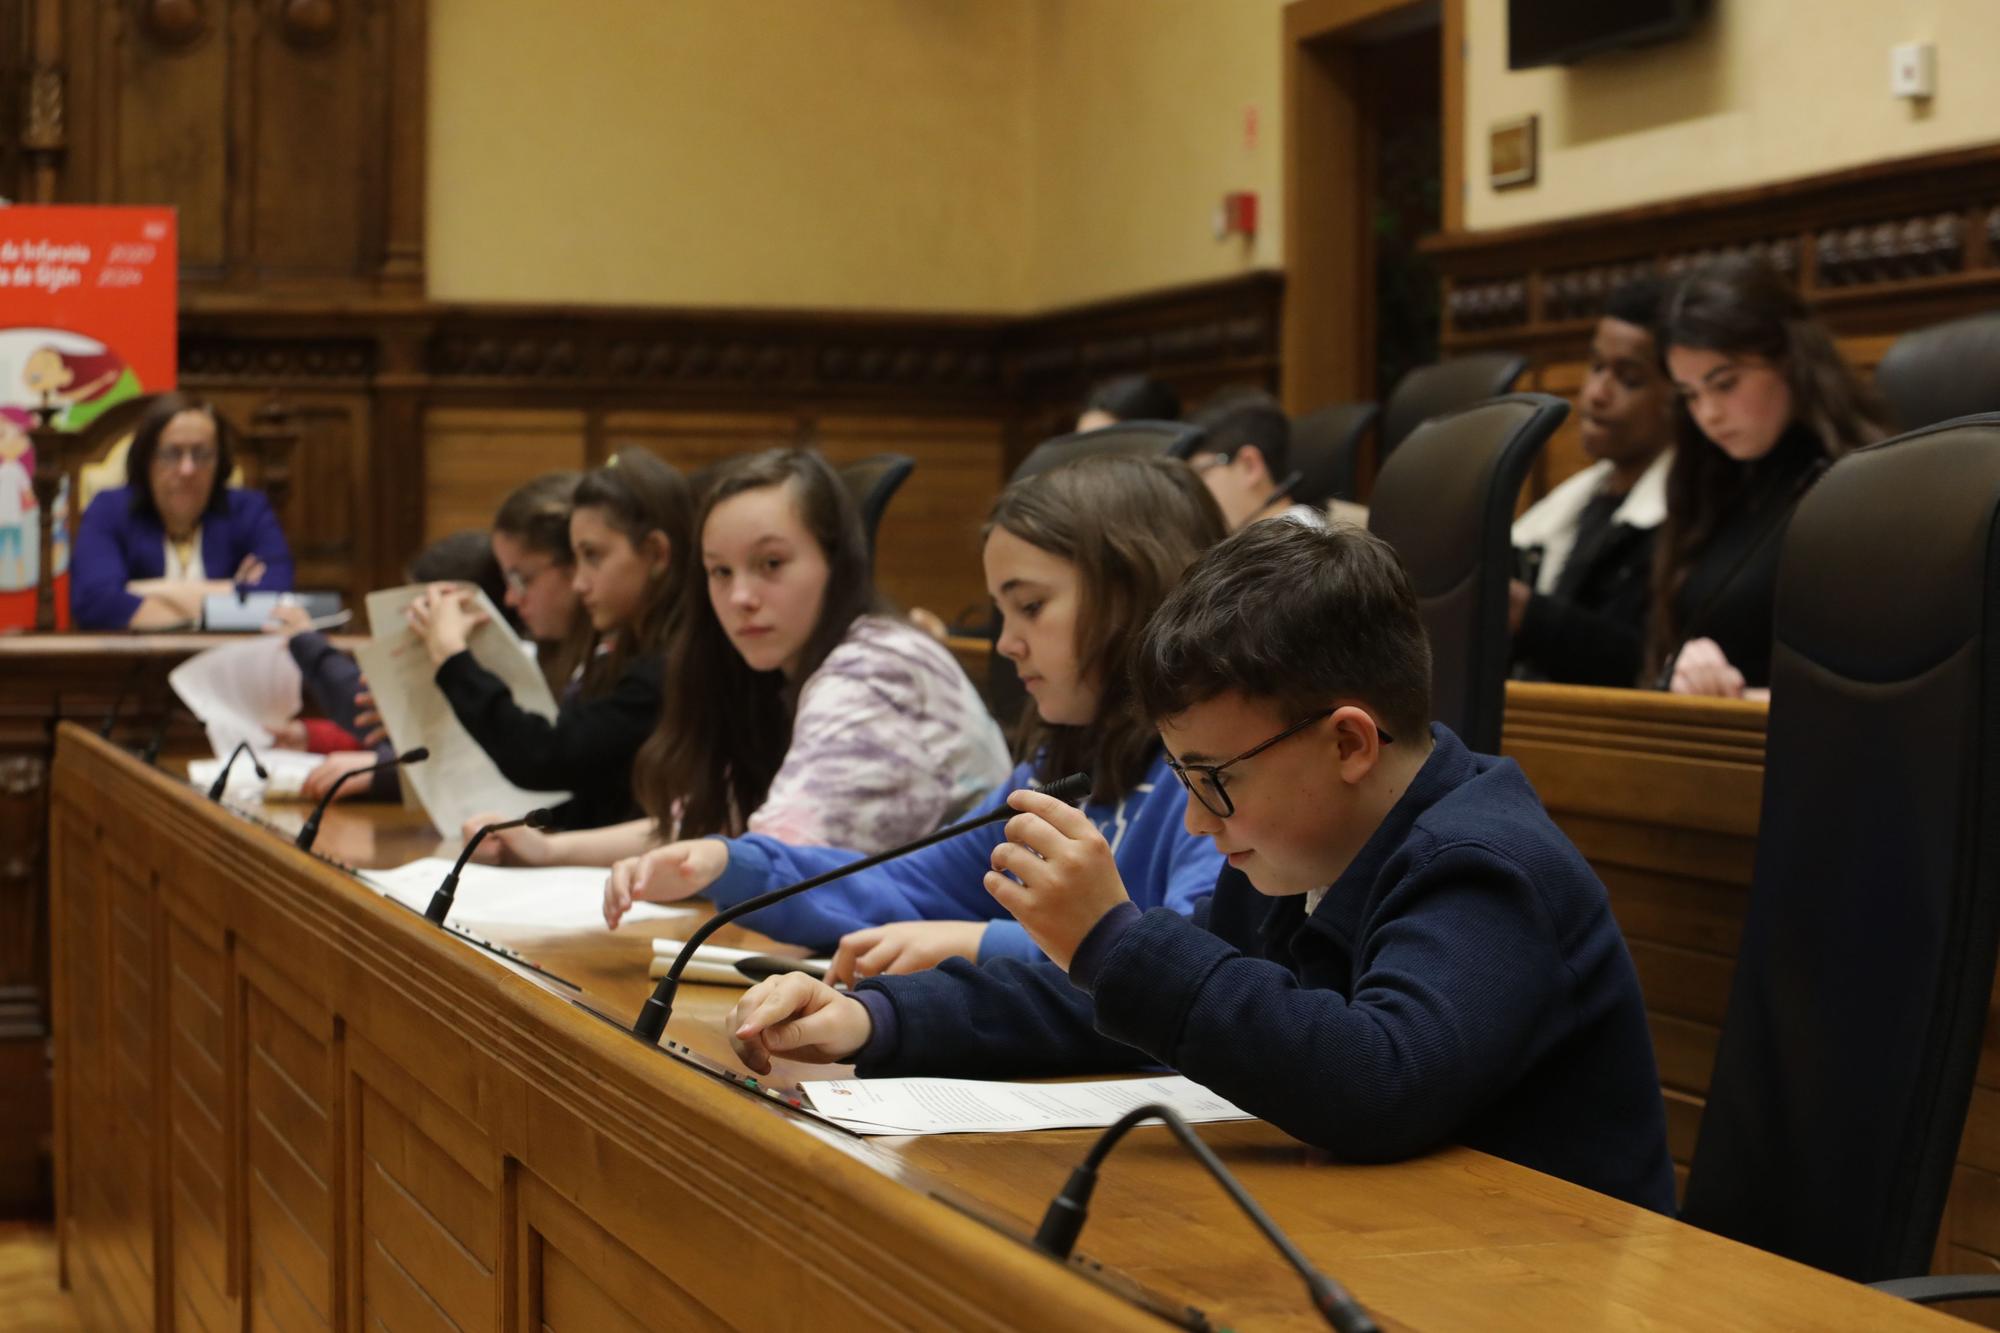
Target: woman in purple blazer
x: 175, y: 518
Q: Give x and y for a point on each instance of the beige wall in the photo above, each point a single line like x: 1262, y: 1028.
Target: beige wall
x: 964, y: 155
x: 1139, y: 131
x: 1763, y: 90
x: 854, y: 153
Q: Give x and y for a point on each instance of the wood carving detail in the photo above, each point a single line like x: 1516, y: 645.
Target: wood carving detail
x: 42, y: 129
x: 173, y: 22
x: 309, y: 23
x: 259, y: 359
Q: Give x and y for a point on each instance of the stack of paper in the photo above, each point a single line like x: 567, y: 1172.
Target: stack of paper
x: 548, y: 898
x: 241, y: 692
x: 712, y: 963
x: 972, y: 1106
x: 458, y: 781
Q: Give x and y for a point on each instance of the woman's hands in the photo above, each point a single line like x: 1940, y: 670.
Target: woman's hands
x: 1703, y: 668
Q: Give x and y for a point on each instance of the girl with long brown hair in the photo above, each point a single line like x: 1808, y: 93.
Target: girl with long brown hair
x: 1076, y: 559
x: 629, y: 525
x: 1767, y: 404
x: 797, y: 707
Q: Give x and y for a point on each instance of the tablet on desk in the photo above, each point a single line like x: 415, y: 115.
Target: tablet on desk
x: 248, y: 612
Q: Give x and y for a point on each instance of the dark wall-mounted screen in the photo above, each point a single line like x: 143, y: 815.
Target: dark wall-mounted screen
x: 1558, y: 32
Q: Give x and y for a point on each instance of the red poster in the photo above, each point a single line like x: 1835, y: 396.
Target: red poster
x: 87, y: 320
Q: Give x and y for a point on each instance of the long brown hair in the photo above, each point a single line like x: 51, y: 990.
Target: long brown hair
x: 637, y: 494
x: 724, y: 728
x: 536, y: 514
x: 1744, y: 307
x: 1131, y: 526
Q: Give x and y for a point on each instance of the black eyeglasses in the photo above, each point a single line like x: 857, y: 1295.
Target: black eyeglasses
x: 1204, y: 781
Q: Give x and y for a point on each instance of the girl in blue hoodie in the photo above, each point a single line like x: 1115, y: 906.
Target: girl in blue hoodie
x: 1076, y: 560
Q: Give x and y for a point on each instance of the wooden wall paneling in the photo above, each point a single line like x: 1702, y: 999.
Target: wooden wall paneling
x: 692, y: 438
x: 201, y: 1124
x: 473, y: 457
x: 576, y: 1275
x: 1878, y: 249
x: 928, y: 549
x: 1661, y: 795
x: 292, y: 1115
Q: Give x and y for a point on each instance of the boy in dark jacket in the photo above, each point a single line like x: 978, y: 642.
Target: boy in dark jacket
x: 1403, y: 951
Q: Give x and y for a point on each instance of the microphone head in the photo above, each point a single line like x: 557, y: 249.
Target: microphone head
x: 262, y: 776
x: 1072, y: 788
x: 416, y: 756
x: 538, y: 818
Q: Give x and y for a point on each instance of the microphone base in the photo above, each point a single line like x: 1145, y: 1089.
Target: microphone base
x: 441, y: 901
x: 652, y: 1021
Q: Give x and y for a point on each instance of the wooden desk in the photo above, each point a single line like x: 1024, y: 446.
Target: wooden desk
x: 283, y: 1100
x: 44, y: 679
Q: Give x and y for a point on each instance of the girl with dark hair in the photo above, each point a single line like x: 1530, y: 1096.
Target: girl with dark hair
x: 531, y: 544
x: 799, y: 710
x: 175, y: 519
x: 629, y: 524
x: 1128, y: 398
x: 1077, y: 558
x: 1766, y: 405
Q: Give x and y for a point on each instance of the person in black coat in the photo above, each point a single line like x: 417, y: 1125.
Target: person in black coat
x: 1404, y: 951
x: 630, y: 524
x: 1585, y: 551
x: 1768, y: 404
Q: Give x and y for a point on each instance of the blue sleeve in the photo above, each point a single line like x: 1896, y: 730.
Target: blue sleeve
x: 97, y: 573
x: 262, y: 537
x: 1003, y: 1019
x: 940, y: 883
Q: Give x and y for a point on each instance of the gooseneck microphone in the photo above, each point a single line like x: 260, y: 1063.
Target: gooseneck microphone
x: 310, y: 829
x: 652, y: 1020
x: 441, y: 900
x: 1284, y: 489
x: 222, y: 778
x: 110, y: 723
x: 1067, y: 1211
x: 150, y: 752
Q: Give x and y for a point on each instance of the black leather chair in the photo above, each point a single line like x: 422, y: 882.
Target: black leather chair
x: 1174, y: 439
x: 1855, y: 1019
x: 1445, y: 501
x: 1445, y: 386
x: 1941, y: 372
x: 1326, y: 446
x: 873, y: 482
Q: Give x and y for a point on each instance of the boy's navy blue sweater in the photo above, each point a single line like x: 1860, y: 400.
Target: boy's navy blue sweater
x: 1462, y: 981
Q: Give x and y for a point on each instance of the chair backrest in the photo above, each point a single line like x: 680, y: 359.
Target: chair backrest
x: 873, y: 482
x: 1941, y: 372
x: 1173, y: 439
x: 1445, y: 501
x: 1445, y: 386
x: 1860, y: 997
x: 1326, y: 446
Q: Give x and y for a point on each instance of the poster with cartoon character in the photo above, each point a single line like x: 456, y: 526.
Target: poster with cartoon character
x: 87, y: 321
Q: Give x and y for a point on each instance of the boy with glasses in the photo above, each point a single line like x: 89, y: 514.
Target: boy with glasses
x: 1403, y: 951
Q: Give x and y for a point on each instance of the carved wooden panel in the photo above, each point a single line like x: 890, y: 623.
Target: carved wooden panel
x: 430, y: 1218
x: 201, y: 1126
x: 281, y: 132
x: 291, y: 1136
x: 577, y: 1278
x: 1882, y: 248
x: 474, y: 456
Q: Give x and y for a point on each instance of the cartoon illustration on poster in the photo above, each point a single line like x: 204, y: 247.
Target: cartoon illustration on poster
x: 87, y: 321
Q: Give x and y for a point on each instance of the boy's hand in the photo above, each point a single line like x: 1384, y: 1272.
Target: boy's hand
x: 663, y: 875
x: 1067, y: 879
x: 508, y: 847
x: 799, y: 1018
x: 903, y: 946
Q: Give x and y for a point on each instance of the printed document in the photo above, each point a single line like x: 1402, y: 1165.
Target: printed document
x: 973, y: 1106
x: 566, y: 898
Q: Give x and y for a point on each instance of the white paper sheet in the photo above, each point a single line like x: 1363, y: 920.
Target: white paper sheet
x: 712, y: 963
x: 458, y: 781
x: 531, y: 897
x: 241, y: 692
x: 288, y: 770
x: 974, y: 1106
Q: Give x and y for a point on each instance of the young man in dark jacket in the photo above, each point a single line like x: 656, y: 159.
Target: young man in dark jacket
x: 1586, y: 548
x: 1403, y: 951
